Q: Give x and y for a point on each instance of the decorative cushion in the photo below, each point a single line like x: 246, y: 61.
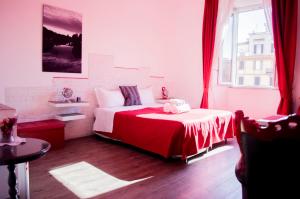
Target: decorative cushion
x: 146, y: 96
x: 109, y: 98
x: 131, y: 95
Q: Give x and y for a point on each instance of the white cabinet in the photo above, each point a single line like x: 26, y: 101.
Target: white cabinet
x: 71, y: 110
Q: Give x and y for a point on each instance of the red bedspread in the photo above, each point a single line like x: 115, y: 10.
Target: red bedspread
x: 173, y: 134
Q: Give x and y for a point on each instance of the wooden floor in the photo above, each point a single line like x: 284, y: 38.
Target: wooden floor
x: 208, y: 176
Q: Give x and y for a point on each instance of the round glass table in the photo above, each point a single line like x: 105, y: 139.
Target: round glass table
x: 11, y: 155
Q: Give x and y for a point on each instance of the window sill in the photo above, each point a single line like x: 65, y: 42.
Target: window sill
x: 248, y: 87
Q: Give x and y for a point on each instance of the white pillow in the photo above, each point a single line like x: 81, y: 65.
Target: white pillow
x: 109, y: 98
x: 146, y: 96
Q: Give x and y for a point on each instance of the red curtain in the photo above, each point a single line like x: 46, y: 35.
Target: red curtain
x: 284, y: 19
x: 208, y: 42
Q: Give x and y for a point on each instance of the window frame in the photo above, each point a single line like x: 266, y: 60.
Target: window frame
x: 234, y: 83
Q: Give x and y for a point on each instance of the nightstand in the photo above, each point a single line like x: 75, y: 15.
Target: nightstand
x: 74, y: 115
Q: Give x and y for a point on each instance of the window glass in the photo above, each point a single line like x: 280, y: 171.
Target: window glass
x: 225, y: 75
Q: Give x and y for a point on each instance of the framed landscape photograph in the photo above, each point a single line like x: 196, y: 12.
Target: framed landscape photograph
x: 62, y: 40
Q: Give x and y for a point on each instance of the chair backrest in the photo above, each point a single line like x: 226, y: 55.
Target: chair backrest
x: 272, y: 157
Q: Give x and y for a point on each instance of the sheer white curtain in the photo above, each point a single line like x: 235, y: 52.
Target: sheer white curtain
x: 225, y: 10
x: 268, y: 12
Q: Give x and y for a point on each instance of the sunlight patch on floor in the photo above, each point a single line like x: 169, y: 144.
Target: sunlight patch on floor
x: 86, y: 180
x: 211, y: 153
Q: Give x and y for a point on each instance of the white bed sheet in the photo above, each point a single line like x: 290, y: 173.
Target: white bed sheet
x: 105, y: 116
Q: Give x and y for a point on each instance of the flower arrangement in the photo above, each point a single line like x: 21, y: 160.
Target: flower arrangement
x: 6, y: 126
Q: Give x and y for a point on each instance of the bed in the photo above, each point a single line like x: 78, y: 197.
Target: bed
x: 151, y: 129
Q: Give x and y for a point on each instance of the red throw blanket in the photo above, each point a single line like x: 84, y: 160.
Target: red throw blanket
x: 173, y: 134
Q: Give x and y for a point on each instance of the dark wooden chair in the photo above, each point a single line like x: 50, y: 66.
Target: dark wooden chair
x: 270, y: 157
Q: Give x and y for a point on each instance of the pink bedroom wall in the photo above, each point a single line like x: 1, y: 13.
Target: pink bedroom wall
x: 132, y: 31
x: 184, y: 51
x: 162, y: 35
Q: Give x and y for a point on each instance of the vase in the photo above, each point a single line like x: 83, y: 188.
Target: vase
x: 7, y: 136
x: 164, y: 93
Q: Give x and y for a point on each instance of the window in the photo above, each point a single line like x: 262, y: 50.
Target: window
x: 241, y: 80
x: 257, y: 81
x: 271, y: 80
x: 242, y: 65
x: 247, y: 50
x: 258, y: 49
x: 225, y: 72
x: 272, y: 48
x: 257, y: 65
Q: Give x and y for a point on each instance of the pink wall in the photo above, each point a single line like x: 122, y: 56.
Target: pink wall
x: 163, y: 35
x: 184, y: 51
x: 256, y: 103
x: 132, y: 31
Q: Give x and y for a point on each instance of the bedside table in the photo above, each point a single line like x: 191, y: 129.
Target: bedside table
x: 73, y: 115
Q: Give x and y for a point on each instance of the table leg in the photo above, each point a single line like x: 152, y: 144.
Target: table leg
x: 27, y: 180
x: 12, y: 182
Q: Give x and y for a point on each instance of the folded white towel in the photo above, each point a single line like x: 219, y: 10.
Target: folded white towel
x: 181, y: 109
x: 170, y: 108
x: 167, y: 107
x: 177, y: 102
